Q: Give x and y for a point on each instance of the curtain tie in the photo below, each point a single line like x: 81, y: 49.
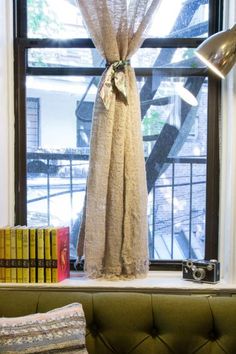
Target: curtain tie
x: 114, y: 78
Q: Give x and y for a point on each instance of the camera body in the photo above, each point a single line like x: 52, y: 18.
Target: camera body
x: 201, y: 270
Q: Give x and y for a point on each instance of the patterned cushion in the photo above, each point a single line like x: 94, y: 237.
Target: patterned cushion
x: 58, y: 331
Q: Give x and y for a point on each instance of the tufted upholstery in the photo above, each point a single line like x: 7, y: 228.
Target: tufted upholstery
x: 140, y: 323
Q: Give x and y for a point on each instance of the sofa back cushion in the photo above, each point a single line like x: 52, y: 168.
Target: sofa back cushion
x: 141, y: 323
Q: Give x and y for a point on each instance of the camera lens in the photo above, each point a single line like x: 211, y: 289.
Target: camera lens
x: 209, y: 267
x: 189, y: 264
x: 199, y: 274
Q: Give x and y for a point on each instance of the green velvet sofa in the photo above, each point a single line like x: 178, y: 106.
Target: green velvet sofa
x: 139, y: 323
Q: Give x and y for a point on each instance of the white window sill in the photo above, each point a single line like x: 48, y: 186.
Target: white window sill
x: 155, y: 282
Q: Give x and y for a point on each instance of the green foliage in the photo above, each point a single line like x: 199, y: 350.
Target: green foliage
x: 189, y: 54
x: 152, y: 123
x: 42, y: 22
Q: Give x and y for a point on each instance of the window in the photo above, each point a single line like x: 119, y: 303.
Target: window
x: 57, y: 72
x: 32, y: 113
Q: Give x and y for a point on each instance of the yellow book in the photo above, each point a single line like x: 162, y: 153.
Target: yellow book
x: 54, y: 254
x: 25, y: 254
x: 32, y: 248
x: 48, y: 255
x: 19, y: 255
x: 40, y: 255
x: 8, y: 254
x: 13, y: 255
x: 2, y: 255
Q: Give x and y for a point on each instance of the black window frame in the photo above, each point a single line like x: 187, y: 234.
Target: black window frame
x: 22, y: 43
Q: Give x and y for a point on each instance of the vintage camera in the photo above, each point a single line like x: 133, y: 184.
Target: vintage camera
x: 201, y: 270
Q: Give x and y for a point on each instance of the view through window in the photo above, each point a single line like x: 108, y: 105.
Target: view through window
x: 61, y: 76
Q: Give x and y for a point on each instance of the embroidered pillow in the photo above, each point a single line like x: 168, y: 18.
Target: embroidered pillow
x: 58, y: 331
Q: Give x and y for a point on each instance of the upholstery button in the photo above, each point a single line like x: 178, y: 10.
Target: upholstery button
x: 213, y: 335
x: 93, y: 329
x: 154, y: 332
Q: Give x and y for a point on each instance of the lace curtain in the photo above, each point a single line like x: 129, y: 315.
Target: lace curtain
x: 113, y: 233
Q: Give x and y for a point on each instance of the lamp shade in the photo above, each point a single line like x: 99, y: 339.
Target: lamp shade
x: 218, y: 51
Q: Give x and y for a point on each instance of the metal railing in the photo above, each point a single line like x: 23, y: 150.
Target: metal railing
x: 51, y: 175
x: 185, y: 178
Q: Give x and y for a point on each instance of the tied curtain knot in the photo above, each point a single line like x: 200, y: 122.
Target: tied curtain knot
x: 114, y: 78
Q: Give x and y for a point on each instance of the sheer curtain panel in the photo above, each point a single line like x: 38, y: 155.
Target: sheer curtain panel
x: 113, y: 234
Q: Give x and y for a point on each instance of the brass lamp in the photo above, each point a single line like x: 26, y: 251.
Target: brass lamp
x: 218, y: 51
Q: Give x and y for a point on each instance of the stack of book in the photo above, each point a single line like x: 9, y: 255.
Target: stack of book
x: 34, y: 255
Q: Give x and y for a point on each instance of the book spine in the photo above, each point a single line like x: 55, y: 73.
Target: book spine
x: 32, y: 239
x: 2, y: 255
x: 48, y: 257
x: 54, y: 255
x: 19, y: 255
x: 63, y: 262
x: 13, y: 255
x: 40, y: 255
x: 25, y: 255
x: 8, y: 255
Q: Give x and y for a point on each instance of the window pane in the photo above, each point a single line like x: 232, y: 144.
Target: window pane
x: 64, y: 57
x: 54, y: 19
x: 57, y: 160
x: 175, y: 101
x: 180, y: 18
x: 62, y: 19
x: 175, y: 145
x: 166, y: 57
x: 59, y: 115
x: 145, y: 57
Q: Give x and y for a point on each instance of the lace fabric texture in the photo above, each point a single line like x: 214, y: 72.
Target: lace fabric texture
x: 113, y: 233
